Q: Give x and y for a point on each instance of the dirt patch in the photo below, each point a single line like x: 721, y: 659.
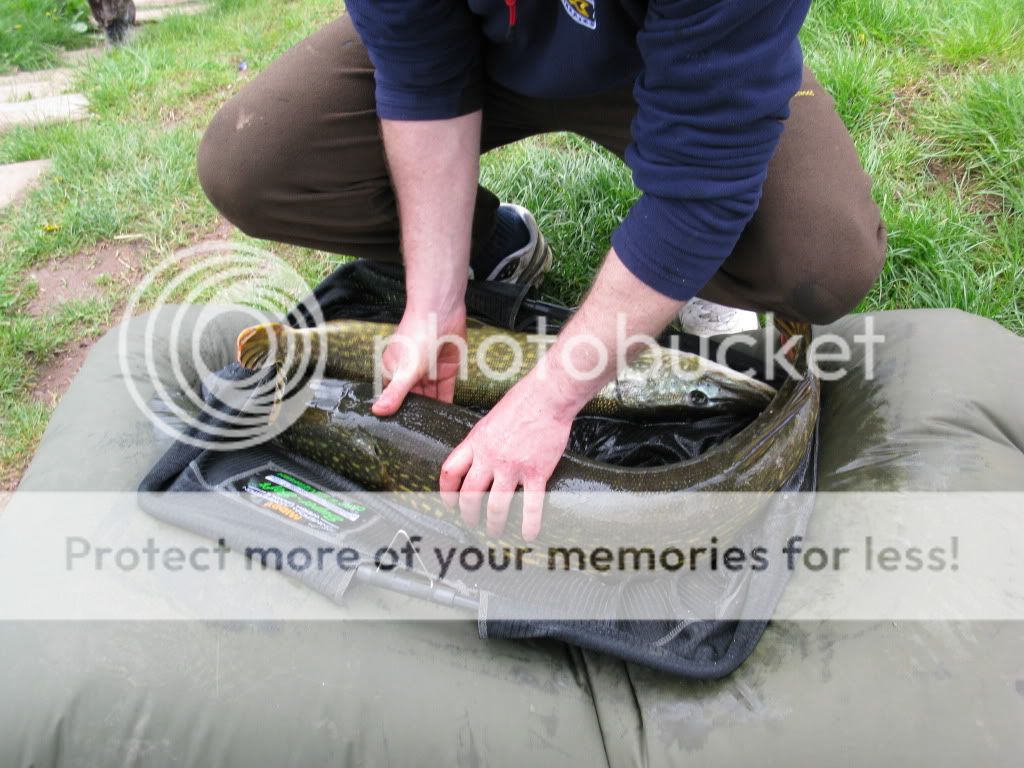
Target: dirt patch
x: 56, y: 374
x: 905, y: 99
x: 10, y: 477
x: 82, y: 277
x: 222, y: 231
x: 978, y: 200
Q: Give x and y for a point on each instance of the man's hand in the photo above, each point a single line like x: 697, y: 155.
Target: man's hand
x: 521, y: 440
x: 434, y: 166
x: 419, y: 359
x: 517, y: 444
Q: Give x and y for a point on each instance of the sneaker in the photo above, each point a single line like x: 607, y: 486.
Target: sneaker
x: 527, y: 265
x: 699, y: 317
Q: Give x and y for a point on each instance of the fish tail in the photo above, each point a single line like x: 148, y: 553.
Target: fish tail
x: 793, y: 327
x: 254, y: 345
x: 789, y: 328
x: 253, y: 351
x: 275, y: 407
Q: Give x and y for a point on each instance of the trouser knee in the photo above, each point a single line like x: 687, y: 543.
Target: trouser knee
x: 229, y: 173
x: 842, y: 271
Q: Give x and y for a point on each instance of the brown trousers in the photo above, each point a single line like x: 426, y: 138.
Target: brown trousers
x: 296, y: 156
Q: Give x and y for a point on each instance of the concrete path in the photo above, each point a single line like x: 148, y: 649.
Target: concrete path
x: 151, y: 12
x: 35, y: 85
x: 139, y: 4
x: 74, y: 58
x: 50, y: 109
x: 19, y: 178
x: 38, y: 98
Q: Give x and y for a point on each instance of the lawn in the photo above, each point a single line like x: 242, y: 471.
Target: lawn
x: 932, y: 90
x: 34, y: 32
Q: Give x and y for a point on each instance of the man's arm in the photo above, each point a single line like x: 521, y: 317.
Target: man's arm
x: 710, y: 106
x: 712, y: 96
x: 428, y: 95
x: 434, y: 169
x: 522, y: 438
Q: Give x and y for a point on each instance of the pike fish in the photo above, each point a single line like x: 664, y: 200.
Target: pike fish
x: 404, y: 453
x: 657, y: 379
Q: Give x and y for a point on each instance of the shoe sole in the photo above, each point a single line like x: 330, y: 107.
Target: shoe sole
x: 536, y: 276
x: 540, y: 260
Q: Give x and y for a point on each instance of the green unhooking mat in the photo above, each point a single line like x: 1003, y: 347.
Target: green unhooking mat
x: 237, y: 479
x: 432, y: 693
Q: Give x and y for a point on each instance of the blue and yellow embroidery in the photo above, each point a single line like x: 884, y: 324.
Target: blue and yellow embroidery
x: 583, y: 12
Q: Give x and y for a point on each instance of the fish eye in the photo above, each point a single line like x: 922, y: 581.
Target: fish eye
x: 698, y: 398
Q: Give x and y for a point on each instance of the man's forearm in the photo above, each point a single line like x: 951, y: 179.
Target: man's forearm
x: 617, y: 307
x: 435, y: 168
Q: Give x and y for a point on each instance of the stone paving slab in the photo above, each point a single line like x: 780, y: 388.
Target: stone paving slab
x: 146, y: 15
x: 18, y: 178
x: 51, y: 109
x: 139, y: 4
x: 35, y: 85
x: 74, y: 58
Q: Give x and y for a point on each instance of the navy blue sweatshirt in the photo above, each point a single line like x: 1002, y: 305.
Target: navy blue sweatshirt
x: 712, y: 83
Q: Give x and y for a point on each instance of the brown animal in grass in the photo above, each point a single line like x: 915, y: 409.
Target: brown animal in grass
x: 114, y: 17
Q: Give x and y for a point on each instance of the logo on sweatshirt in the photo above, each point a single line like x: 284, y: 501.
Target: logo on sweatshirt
x: 582, y: 12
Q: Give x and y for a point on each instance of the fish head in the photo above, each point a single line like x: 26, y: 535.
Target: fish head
x: 727, y: 390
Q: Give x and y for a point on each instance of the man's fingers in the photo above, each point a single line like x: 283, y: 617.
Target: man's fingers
x: 498, y: 502
x: 394, y: 393
x: 445, y: 390
x: 390, y: 399
x: 533, y: 507
x: 453, y: 470
x: 477, y: 483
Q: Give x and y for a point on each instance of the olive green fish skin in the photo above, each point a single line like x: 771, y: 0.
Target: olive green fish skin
x: 495, y: 359
x: 404, y: 453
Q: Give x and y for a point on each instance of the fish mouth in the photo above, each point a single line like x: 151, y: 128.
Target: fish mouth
x: 733, y: 395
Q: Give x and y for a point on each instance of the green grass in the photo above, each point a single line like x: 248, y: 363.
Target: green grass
x: 932, y: 91
x: 130, y: 170
x: 579, y: 194
x: 34, y: 32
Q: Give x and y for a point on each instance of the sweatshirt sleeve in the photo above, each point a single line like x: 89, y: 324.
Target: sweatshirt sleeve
x: 426, y: 55
x: 717, y: 79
